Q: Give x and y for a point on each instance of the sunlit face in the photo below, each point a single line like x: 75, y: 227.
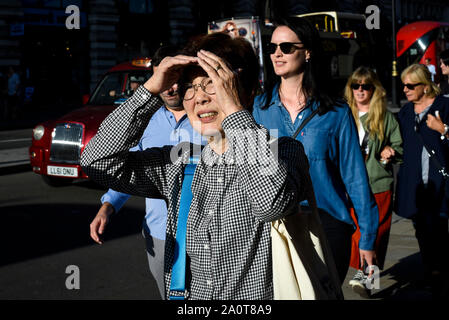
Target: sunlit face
x: 202, y: 109
x: 361, y: 95
x: 415, y: 94
x: 444, y: 68
x: 290, y: 64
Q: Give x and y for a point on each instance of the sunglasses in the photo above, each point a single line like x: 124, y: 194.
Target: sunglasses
x: 365, y: 87
x: 286, y: 47
x: 411, y: 86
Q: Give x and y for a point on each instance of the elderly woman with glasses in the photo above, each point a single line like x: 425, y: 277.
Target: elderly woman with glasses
x: 300, y: 104
x: 381, y: 145
x: 240, y: 183
x: 421, y: 185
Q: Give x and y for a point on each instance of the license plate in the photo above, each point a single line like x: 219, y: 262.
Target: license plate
x: 62, y: 171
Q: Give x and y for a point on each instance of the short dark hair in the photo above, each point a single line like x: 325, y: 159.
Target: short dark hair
x: 444, y: 56
x: 162, y: 52
x: 240, y: 56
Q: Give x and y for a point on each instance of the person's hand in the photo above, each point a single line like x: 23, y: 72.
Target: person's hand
x: 387, y: 153
x: 369, y: 256
x: 224, y: 79
x: 435, y: 123
x: 167, y: 73
x: 100, y: 221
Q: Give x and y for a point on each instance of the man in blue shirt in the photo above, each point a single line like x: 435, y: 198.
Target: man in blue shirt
x: 168, y: 126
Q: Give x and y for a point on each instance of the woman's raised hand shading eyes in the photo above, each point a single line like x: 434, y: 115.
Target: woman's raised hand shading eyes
x: 168, y: 72
x: 224, y: 79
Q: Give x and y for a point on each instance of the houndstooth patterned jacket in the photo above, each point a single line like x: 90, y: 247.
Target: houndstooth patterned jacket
x: 235, y: 195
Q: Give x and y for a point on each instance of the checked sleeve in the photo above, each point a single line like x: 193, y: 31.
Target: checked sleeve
x: 108, y: 160
x: 274, y: 174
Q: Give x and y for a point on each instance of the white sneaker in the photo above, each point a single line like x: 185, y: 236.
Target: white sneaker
x: 358, y: 284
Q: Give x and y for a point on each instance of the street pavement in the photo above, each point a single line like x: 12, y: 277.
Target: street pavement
x: 400, y: 280
x: 14, y: 157
x: 14, y: 147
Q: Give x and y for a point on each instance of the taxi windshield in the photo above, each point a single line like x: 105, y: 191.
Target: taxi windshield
x: 116, y: 87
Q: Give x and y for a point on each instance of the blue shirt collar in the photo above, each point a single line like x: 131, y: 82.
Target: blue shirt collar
x: 171, y: 118
x: 276, y: 99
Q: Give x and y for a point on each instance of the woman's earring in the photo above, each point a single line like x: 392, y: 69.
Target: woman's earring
x: 307, y: 60
x: 425, y: 91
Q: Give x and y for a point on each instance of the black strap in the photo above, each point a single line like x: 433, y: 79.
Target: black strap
x: 303, y: 124
x: 432, y: 156
x: 364, y: 141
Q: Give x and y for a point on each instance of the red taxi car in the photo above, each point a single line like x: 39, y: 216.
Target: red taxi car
x: 57, y: 144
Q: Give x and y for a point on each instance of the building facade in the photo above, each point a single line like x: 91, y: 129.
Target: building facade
x: 62, y: 64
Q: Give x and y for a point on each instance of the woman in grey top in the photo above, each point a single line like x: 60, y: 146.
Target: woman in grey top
x: 241, y: 183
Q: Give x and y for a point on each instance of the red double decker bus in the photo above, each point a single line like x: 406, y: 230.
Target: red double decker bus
x: 420, y: 40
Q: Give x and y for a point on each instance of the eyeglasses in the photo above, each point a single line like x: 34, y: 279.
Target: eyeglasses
x: 365, y: 87
x: 206, y: 85
x: 286, y: 47
x: 411, y: 86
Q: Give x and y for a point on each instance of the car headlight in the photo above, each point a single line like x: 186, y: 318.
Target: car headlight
x: 38, y: 132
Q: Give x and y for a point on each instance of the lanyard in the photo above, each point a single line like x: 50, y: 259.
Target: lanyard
x: 303, y: 124
x: 178, y: 276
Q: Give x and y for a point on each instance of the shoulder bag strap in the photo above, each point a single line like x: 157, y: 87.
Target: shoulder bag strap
x: 432, y: 156
x: 364, y: 142
x: 178, y: 276
x: 303, y: 124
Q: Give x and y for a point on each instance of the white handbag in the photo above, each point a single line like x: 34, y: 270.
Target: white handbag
x: 303, y: 266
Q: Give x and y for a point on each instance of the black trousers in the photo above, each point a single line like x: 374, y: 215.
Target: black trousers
x: 431, y: 230
x: 339, y: 235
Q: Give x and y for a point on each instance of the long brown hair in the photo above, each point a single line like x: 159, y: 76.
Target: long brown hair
x: 378, y: 102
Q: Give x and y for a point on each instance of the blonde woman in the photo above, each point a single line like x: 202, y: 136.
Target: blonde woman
x: 420, y: 193
x: 381, y: 145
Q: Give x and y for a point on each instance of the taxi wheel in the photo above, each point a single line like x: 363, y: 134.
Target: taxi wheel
x: 56, y: 182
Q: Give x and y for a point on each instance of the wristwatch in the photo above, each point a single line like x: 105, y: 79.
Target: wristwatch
x: 446, y: 130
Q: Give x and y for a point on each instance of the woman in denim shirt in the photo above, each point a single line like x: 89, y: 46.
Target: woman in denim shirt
x: 330, y: 138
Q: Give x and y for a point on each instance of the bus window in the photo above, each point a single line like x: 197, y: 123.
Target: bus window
x: 347, y: 24
x: 416, y: 51
x: 420, y: 40
x: 323, y: 22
